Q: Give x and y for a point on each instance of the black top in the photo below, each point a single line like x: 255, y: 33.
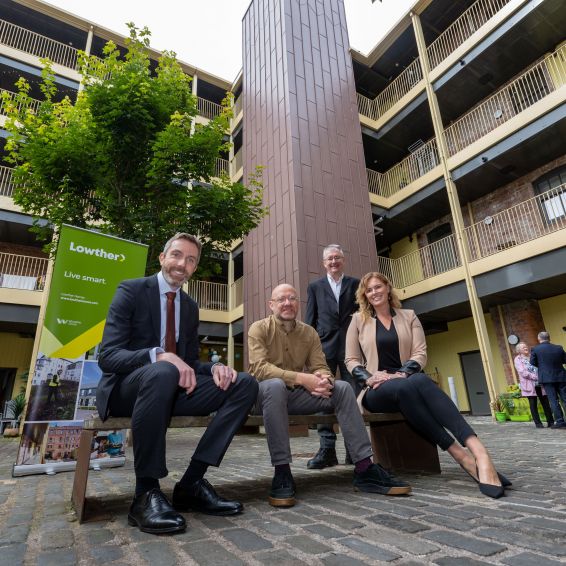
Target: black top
x: 387, y: 343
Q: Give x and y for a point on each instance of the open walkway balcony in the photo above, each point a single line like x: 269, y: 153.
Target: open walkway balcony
x: 34, y: 103
x: 536, y: 83
x: 216, y: 296
x: 478, y: 14
x: 22, y: 272
x: 208, y: 109
x: 6, y: 184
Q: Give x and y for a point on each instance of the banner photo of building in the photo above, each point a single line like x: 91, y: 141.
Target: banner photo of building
x: 62, y: 390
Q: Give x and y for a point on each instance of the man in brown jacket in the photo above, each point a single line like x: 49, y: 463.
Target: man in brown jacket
x: 286, y: 358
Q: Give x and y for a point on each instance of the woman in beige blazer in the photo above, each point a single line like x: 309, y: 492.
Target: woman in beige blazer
x: 386, y: 350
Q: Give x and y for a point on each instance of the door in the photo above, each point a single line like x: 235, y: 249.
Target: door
x: 7, y: 378
x: 476, y: 384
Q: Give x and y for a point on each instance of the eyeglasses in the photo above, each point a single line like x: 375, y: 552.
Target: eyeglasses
x: 283, y: 300
x: 334, y: 258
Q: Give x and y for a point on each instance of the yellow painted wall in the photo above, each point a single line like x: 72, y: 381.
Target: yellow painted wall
x: 443, y: 349
x: 403, y: 247
x: 553, y: 312
x: 15, y: 352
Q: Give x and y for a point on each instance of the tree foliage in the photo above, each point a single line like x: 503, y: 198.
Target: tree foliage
x: 127, y: 158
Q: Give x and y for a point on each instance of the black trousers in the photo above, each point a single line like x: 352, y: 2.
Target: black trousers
x: 151, y: 396
x: 545, y: 406
x: 425, y: 406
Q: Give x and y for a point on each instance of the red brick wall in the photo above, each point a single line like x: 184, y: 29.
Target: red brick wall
x: 18, y: 249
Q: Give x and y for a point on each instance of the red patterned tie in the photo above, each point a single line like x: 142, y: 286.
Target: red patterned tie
x: 170, y: 341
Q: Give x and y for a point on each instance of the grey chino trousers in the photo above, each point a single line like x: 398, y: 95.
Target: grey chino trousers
x: 276, y: 402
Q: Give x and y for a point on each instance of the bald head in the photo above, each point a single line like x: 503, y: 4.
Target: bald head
x: 284, y: 302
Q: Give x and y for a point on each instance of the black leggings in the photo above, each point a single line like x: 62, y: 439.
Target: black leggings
x: 425, y: 406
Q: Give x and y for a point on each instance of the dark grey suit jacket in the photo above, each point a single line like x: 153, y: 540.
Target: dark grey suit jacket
x: 133, y: 328
x: 549, y: 359
x: 329, y: 318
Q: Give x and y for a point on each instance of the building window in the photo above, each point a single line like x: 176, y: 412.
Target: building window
x: 552, y: 187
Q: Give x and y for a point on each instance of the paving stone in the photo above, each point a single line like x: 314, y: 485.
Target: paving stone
x: 215, y: 523
x: 159, y: 552
x: 529, y: 559
x: 245, y: 540
x: 18, y: 533
x: 273, y: 527
x: 398, y: 524
x: 456, y: 512
x: 65, y: 557
x: 458, y: 561
x: 100, y: 536
x: 19, y: 518
x: 307, y: 544
x: 192, y: 534
x: 487, y: 512
x: 543, y: 523
x: 456, y: 540
x: 281, y: 557
x: 404, y: 542
x: 374, y: 552
x: 13, y: 554
x: 211, y: 553
x: 324, y: 531
x: 341, y: 522
x: 60, y: 539
x: 552, y: 545
x: 449, y: 522
x: 293, y: 518
x: 104, y: 553
x: 386, y: 507
x: 341, y: 560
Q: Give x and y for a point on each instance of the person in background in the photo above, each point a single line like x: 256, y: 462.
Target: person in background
x: 331, y: 301
x: 530, y: 388
x: 550, y: 359
x: 386, y: 351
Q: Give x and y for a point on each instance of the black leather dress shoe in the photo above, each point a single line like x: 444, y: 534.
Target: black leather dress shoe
x: 152, y: 513
x: 324, y: 458
x: 200, y: 496
x: 283, y: 488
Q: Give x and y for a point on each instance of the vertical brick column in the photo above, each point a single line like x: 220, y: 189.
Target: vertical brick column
x: 301, y: 123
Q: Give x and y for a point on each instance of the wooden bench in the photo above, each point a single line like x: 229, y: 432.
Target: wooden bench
x: 396, y: 446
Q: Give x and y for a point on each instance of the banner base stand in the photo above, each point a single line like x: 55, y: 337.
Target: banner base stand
x: 56, y: 467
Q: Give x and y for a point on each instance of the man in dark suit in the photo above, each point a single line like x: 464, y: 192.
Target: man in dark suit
x: 331, y: 301
x: 150, y: 359
x: 550, y: 359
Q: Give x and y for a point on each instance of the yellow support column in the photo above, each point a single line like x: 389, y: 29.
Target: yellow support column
x: 456, y: 211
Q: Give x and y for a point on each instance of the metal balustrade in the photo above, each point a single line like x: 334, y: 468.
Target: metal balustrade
x: 478, y: 14
x: 374, y: 180
x: 6, y: 183
x: 208, y: 109
x: 39, y: 45
x: 33, y: 105
x: 211, y: 296
x: 237, y: 293
x: 533, y: 85
x: 221, y: 166
x: 414, y: 166
x: 392, y: 93
x: 526, y: 221
x: 22, y: 272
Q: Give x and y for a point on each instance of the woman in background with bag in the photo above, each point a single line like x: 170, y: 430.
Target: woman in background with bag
x: 386, y: 350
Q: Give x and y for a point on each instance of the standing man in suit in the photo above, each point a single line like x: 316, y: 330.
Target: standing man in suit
x: 550, y: 359
x: 150, y: 360
x: 331, y: 301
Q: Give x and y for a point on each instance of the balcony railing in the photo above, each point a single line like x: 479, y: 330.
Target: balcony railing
x: 464, y: 27
x: 533, y: 85
x: 374, y: 181
x: 430, y: 260
x: 208, y: 109
x: 6, y: 184
x: 526, y: 221
x: 414, y: 166
x: 392, y: 93
x: 22, y: 272
x: 237, y: 293
x: 212, y: 296
x: 35, y: 44
x: 221, y: 166
x: 34, y: 104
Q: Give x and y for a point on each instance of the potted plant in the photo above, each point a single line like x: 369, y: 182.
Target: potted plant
x: 16, y: 407
x: 498, y: 408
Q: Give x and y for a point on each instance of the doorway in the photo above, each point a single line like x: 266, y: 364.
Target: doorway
x: 476, y: 384
x: 7, y: 378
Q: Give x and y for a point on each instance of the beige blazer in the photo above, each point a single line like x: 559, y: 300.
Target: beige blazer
x: 361, y: 348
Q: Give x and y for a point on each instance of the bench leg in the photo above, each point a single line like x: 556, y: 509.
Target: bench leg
x: 81, y: 474
x: 396, y: 446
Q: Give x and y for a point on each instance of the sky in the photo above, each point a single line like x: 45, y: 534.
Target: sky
x: 207, y: 34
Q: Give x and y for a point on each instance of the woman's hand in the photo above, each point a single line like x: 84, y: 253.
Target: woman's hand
x: 380, y: 377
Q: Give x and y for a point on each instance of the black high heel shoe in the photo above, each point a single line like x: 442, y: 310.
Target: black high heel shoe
x: 493, y: 491
x: 504, y: 481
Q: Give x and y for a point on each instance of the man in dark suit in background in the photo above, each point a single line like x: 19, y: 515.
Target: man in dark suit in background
x: 550, y: 359
x: 331, y: 301
x: 150, y: 359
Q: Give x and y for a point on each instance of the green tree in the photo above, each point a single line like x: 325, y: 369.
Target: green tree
x: 127, y: 158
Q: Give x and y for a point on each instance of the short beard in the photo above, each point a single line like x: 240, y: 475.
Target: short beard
x: 172, y: 284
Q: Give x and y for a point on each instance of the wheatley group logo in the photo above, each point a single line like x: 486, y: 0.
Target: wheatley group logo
x: 97, y: 252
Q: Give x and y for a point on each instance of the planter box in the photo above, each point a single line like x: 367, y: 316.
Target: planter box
x: 520, y: 418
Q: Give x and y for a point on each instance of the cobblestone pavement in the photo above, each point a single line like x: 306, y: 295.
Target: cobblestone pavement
x: 445, y: 521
